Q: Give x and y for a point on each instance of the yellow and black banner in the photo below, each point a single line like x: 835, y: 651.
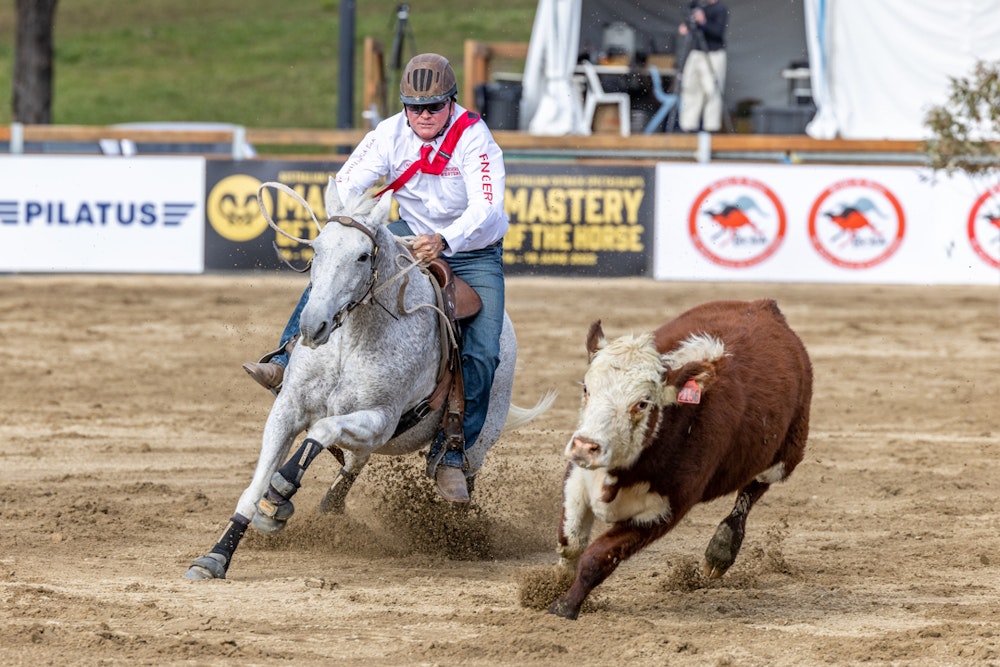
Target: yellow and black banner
x: 564, y: 219
x: 237, y: 235
x: 580, y: 220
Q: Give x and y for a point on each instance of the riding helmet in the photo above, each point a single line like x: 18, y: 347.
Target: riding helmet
x: 428, y: 78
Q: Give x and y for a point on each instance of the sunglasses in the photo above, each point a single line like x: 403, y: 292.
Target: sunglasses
x: 417, y: 109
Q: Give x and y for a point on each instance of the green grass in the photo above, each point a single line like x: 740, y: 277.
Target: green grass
x: 258, y: 63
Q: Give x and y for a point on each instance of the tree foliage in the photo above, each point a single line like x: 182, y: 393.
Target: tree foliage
x: 965, y: 130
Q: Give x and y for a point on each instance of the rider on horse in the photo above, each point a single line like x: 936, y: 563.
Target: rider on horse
x: 447, y: 174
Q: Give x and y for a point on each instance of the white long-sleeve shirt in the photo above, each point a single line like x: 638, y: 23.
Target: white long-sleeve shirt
x: 465, y: 204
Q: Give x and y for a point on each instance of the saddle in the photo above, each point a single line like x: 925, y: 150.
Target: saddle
x: 457, y: 301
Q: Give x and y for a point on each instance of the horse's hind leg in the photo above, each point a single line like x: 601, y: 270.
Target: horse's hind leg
x: 335, y: 499
x: 728, y: 538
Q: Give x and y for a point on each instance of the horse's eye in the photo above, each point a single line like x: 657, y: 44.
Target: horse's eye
x: 365, y: 257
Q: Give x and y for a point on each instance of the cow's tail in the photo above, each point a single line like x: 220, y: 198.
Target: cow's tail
x: 518, y: 416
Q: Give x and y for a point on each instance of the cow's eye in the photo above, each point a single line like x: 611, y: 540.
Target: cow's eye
x: 584, y: 388
x: 641, y: 406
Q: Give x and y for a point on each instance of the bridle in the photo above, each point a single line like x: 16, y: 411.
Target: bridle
x: 371, y: 291
x: 340, y: 315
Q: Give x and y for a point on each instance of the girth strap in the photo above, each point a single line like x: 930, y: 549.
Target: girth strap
x: 457, y: 300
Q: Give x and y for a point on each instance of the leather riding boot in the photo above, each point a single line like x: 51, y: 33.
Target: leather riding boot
x: 267, y: 374
x: 451, y: 484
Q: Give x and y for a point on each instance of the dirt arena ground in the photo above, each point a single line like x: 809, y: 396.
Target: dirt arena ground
x: 128, y: 431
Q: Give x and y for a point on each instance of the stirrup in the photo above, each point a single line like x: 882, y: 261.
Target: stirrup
x: 436, y: 455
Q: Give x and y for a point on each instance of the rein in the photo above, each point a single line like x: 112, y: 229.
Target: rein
x: 372, y: 290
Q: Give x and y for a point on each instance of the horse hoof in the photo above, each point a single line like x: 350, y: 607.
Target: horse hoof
x: 331, y: 504
x: 209, y: 566
x: 281, y: 511
x: 335, y: 499
x: 267, y: 525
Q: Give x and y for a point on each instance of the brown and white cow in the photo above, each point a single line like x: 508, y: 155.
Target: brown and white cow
x: 713, y: 402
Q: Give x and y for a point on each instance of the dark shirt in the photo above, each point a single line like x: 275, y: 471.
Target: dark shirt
x: 714, y: 29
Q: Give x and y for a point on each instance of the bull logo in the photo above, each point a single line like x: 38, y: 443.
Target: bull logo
x: 233, y: 211
x: 737, y: 222
x: 856, y: 224
x: 239, y: 213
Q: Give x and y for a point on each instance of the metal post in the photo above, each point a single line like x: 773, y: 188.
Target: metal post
x: 704, y: 153
x: 17, y: 138
x: 239, y: 143
x: 345, y: 70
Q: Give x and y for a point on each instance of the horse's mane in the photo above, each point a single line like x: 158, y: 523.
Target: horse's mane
x: 361, y: 205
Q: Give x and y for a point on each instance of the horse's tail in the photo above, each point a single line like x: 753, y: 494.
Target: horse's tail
x: 518, y: 416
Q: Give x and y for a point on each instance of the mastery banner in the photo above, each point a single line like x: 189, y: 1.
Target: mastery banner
x: 578, y: 220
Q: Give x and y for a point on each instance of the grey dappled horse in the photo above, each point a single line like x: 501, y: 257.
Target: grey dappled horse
x: 369, y: 352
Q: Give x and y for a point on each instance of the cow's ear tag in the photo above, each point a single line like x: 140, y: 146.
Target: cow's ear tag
x: 690, y: 393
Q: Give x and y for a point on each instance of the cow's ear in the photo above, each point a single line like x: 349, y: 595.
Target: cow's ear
x: 595, y: 339
x: 687, y: 383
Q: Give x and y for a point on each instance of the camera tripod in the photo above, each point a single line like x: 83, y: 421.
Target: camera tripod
x: 695, y: 40
x: 402, y: 34
x: 376, y: 110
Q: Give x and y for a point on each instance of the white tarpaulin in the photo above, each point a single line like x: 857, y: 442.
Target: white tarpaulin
x: 549, y: 103
x: 878, y: 66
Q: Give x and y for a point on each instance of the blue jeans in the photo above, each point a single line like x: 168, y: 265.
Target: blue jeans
x: 291, y: 329
x: 483, y: 270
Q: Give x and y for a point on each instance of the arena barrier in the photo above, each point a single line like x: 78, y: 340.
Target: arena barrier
x: 674, y: 221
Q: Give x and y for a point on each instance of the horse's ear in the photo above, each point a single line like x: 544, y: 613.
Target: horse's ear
x: 333, y: 203
x: 380, y: 214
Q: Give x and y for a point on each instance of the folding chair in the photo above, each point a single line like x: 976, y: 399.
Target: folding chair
x: 596, y: 95
x: 666, y: 100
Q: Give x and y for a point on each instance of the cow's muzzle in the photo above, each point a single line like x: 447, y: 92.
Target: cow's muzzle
x: 584, y: 452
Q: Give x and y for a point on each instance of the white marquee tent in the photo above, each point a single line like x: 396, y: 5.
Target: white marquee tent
x: 876, y: 65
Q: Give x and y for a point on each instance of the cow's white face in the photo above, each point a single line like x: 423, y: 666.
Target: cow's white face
x: 623, y: 396
x: 621, y: 388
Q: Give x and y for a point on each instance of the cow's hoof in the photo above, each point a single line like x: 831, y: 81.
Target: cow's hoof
x: 565, y: 609
x: 209, y: 566
x: 721, y: 552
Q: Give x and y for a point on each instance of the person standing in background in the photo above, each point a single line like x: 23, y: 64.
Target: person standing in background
x: 704, y: 73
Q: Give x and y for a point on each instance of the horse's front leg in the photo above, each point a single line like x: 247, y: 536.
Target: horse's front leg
x: 358, y: 434
x: 279, y: 432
